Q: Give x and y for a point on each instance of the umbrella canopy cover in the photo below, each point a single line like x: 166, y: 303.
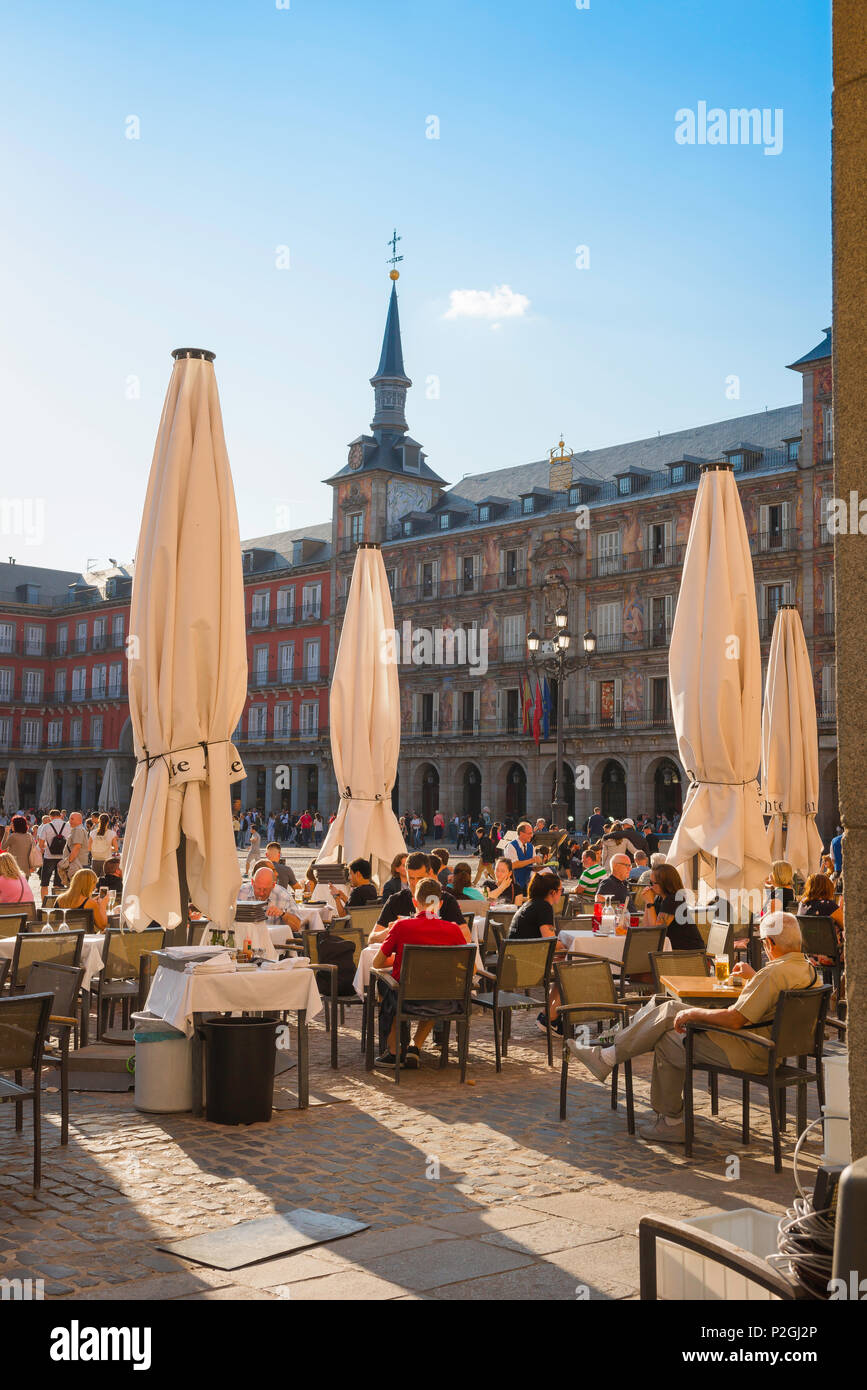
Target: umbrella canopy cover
x: 109, y: 791
x: 365, y: 721
x: 790, y: 747
x: 10, y: 791
x: 715, y: 679
x: 46, y: 787
x: 187, y: 664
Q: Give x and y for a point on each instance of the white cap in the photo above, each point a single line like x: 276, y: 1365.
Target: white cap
x: 628, y: 822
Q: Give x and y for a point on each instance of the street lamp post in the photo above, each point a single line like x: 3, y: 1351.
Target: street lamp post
x: 558, y: 668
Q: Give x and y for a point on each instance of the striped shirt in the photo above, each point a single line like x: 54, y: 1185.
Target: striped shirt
x: 592, y: 877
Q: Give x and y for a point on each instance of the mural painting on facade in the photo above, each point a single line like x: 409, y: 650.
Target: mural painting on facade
x: 632, y: 695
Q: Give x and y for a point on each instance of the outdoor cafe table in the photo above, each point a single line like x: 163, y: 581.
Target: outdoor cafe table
x: 700, y: 989
x: 591, y: 943
x: 92, y: 948
x: 180, y: 998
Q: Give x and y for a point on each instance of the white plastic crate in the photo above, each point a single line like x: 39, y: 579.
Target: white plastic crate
x: 836, y: 1069
x: 838, y: 1137
x: 682, y: 1275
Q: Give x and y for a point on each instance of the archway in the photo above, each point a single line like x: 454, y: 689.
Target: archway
x: 516, y: 793
x: 613, y: 790
x: 472, y: 791
x: 430, y: 794
x: 667, y: 790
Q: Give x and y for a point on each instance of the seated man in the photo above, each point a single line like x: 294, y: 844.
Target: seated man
x: 592, y: 872
x: 111, y: 876
x: 264, y: 888
x: 616, y: 885
x: 661, y: 1031
x: 424, y: 928
x: 402, y: 904
x: 362, y: 890
x: 641, y: 864
x: 285, y: 874
x: 439, y: 862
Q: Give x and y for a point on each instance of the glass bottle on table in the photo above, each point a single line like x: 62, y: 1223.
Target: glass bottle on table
x: 608, y: 921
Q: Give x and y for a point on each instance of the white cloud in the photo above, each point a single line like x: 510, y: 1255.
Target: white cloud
x: 499, y: 303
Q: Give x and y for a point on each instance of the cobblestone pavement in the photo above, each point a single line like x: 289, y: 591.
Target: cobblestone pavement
x: 470, y: 1192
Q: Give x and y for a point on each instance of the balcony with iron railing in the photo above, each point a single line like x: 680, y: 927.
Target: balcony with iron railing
x: 15, y: 693
x: 269, y: 677
x: 432, y: 590
x: 277, y: 739
x: 574, y: 726
x: 280, y: 617
x: 656, y: 558
x: 826, y: 711
x: 775, y: 541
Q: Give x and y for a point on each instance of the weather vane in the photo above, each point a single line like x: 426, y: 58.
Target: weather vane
x: 395, y: 258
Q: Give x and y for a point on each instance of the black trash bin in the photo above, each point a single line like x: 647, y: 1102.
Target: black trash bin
x: 239, y: 1069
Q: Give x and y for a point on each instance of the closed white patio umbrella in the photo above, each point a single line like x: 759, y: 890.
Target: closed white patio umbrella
x: 10, y: 791
x: 188, y: 665
x: 715, y: 678
x: 790, y: 747
x: 46, y: 787
x: 109, y: 791
x: 365, y: 722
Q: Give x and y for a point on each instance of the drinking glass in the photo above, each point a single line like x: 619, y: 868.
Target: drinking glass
x: 721, y: 969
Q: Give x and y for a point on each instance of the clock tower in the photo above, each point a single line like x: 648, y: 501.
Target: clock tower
x: 386, y: 474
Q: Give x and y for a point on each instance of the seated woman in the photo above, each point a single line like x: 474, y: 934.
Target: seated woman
x: 534, y: 921
x: 462, y: 883
x: 310, y: 883
x: 779, y: 892
x: 500, y: 889
x: 819, y: 900
x: 81, y: 893
x: 14, y: 887
x: 668, y: 910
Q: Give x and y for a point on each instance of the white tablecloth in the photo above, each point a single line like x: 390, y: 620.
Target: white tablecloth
x: 175, y: 996
x: 594, y: 944
x: 91, y: 954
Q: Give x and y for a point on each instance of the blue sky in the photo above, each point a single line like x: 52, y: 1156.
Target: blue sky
x: 306, y: 127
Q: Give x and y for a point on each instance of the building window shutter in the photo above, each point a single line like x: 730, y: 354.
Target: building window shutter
x: 669, y: 613
x: 500, y: 709
x: 477, y: 702
x: 435, y: 727
x: 764, y: 526
x: 618, y: 701
x: 415, y: 712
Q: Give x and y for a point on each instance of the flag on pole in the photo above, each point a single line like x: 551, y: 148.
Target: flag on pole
x: 526, y: 703
x: 537, y: 713
x: 546, y: 708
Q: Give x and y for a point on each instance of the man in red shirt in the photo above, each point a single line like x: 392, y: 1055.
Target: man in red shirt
x: 425, y: 929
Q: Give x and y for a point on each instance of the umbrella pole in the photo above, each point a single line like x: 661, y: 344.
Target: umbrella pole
x: 184, y: 889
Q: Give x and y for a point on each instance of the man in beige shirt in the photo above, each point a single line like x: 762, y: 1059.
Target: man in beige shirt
x: 662, y: 1030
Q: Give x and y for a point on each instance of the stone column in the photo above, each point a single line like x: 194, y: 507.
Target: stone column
x: 850, y: 551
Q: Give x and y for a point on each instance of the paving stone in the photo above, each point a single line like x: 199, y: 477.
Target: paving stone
x: 288, y: 1270
x: 344, y: 1285
x: 446, y: 1262
x: 483, y: 1221
x: 159, y: 1287
x: 546, y: 1237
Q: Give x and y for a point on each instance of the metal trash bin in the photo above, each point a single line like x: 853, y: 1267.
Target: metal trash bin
x: 240, y: 1054
x: 163, y: 1066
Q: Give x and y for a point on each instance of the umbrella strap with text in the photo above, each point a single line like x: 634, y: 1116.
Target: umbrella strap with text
x: 189, y: 764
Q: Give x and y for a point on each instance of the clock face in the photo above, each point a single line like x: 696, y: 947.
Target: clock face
x: 356, y: 455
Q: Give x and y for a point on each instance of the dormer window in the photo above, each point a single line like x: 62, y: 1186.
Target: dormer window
x: 678, y: 473
x: 407, y: 528
x: 444, y: 521
x: 527, y: 505
x: 247, y: 561
x: 484, y: 513
x: 574, y: 496
x: 792, y: 449
x: 623, y: 486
